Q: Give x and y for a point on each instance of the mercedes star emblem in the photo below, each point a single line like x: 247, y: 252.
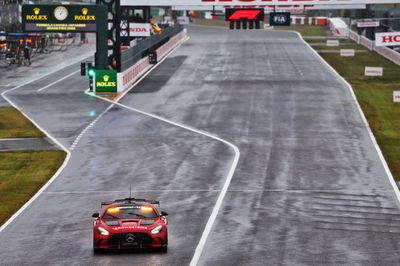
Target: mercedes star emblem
x: 130, y: 238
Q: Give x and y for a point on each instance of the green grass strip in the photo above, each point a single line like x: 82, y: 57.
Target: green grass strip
x: 14, y: 125
x: 375, y: 95
x: 22, y: 174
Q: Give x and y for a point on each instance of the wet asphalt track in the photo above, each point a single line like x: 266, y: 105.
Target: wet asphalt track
x: 309, y: 188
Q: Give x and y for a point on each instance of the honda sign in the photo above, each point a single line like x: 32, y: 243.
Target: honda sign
x: 387, y: 39
x: 139, y: 29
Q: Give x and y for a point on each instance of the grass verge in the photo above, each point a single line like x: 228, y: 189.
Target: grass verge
x: 22, y: 174
x: 375, y: 95
x: 14, y: 125
x: 306, y: 30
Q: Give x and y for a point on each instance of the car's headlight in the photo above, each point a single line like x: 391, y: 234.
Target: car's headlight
x: 102, y: 231
x: 157, y: 230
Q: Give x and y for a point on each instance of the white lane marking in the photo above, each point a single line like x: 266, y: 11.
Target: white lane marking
x: 218, y: 204
x: 76, y: 141
x: 371, y: 135
x: 27, y: 204
x: 49, y: 73
x: 67, y: 158
x: 55, y: 82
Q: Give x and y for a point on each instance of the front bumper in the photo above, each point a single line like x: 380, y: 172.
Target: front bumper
x: 130, y: 240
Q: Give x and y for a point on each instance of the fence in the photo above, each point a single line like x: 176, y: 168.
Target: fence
x: 384, y: 51
x: 132, y: 55
x: 134, y: 72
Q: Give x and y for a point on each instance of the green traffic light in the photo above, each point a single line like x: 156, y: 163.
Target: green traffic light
x: 91, y: 72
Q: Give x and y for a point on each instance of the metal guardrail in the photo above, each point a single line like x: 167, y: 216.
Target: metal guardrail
x: 134, y: 54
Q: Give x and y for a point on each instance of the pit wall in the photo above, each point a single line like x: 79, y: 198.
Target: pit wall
x: 127, y: 78
x: 383, y: 51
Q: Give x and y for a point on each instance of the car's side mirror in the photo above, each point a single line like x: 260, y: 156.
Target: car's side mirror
x: 164, y: 213
x: 95, y: 215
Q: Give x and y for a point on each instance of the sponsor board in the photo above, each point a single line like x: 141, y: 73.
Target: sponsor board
x: 373, y: 71
x: 139, y: 29
x: 279, y: 19
x: 61, y: 18
x: 105, y: 80
x: 347, y: 52
x: 332, y: 43
x: 368, y: 24
x: 387, y: 39
x: 396, y: 96
x: 183, y: 20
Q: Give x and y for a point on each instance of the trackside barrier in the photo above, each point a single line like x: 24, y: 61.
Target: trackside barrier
x: 367, y: 42
x: 128, y: 77
x: 354, y: 36
x: 382, y: 50
x: 318, y: 21
x: 389, y: 54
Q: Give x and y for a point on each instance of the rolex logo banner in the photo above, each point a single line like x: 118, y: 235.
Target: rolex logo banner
x: 105, y: 80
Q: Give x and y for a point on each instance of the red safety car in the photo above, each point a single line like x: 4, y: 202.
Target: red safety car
x: 129, y: 224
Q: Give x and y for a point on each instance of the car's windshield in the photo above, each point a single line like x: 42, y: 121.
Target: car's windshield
x: 130, y: 212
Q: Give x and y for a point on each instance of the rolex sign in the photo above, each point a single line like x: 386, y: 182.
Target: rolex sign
x: 105, y: 80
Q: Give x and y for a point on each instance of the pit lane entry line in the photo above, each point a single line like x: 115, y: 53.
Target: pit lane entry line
x: 66, y: 160
x: 218, y: 204
x: 55, y: 82
x: 371, y: 135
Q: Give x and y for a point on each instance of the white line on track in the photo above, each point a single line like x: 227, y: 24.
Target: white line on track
x: 371, y: 135
x: 55, y: 82
x: 218, y: 204
x: 3, y: 94
x: 76, y: 141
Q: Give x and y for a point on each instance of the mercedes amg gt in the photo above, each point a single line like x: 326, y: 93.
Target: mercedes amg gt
x: 130, y: 224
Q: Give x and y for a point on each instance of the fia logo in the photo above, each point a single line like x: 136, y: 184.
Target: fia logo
x: 280, y: 19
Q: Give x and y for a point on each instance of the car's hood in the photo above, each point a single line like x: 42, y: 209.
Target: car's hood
x: 130, y: 223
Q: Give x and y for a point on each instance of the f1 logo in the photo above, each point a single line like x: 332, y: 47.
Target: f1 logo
x: 244, y: 14
x: 247, y: 14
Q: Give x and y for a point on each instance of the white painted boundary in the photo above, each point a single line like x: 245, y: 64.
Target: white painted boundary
x: 66, y: 160
x: 218, y: 204
x: 55, y: 82
x: 371, y: 135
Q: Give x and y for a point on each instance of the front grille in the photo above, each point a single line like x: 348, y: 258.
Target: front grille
x: 121, y: 239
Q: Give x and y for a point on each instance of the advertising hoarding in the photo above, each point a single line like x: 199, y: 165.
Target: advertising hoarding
x: 387, y: 39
